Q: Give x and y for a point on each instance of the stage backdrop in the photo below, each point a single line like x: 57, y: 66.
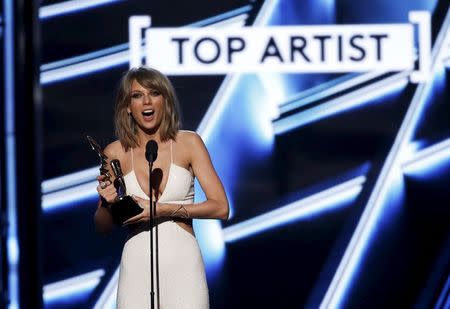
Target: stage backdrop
x: 338, y: 180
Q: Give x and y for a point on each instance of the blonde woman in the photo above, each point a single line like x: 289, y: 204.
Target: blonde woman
x: 146, y: 109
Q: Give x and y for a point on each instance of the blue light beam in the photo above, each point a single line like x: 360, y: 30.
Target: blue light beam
x: 13, y: 251
x: 315, y: 204
x: 72, y: 287
x: 68, y: 7
x: 356, y: 98
x: 120, y: 54
x: 352, y: 257
x: 428, y: 158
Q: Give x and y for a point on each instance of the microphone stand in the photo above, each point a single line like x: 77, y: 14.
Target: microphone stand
x: 151, y: 153
x: 152, y: 287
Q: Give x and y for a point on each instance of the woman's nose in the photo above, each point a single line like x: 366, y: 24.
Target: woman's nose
x: 147, y: 98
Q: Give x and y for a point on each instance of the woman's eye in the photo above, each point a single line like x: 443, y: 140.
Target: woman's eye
x: 136, y: 95
x: 155, y: 93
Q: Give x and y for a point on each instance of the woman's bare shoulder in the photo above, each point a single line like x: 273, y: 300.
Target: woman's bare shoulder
x: 189, y: 138
x: 191, y: 143
x: 114, y: 150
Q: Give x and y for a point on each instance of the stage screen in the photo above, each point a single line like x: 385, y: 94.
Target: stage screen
x: 337, y: 178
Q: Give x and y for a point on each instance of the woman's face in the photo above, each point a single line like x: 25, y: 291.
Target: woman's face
x: 146, y: 107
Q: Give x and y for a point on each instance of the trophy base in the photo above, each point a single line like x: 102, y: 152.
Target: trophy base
x: 124, y: 209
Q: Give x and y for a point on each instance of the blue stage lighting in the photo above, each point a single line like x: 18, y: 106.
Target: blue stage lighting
x: 108, y: 297
x: 70, y: 180
x: 119, y: 55
x: 74, y: 287
x: 327, y: 89
x: 428, y: 159
x: 315, y: 204
x: 62, y: 198
x: 72, y: 6
x: 444, y: 299
x: 365, y: 95
x: 12, y: 241
x: 372, y: 214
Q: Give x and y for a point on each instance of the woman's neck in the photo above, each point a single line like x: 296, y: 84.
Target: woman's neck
x: 144, y: 137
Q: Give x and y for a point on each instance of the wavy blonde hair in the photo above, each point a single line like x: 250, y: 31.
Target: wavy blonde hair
x: 125, y: 126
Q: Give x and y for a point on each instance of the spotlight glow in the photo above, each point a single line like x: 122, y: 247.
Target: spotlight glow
x: 356, y: 98
x: 136, y: 24
x: 120, y: 54
x: 73, y: 286
x: 371, y: 215
x: 327, y: 89
x: 68, y: 7
x: 69, y: 180
x: 13, y: 250
x: 428, y: 158
x: 58, y: 199
x: 108, y: 297
x: 312, y: 205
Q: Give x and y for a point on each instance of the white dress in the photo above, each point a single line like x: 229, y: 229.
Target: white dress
x: 181, y: 272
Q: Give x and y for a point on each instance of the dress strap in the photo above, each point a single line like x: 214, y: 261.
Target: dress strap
x: 132, y: 160
x: 171, y: 155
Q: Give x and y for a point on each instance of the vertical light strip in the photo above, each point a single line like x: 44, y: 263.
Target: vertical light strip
x: 135, y: 26
x: 12, y: 242
x: 423, y: 20
x: 353, y: 254
x: 230, y: 82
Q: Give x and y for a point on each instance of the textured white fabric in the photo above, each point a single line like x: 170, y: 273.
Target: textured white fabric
x: 182, y: 280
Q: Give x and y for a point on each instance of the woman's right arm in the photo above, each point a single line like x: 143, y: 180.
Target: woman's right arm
x: 102, y: 217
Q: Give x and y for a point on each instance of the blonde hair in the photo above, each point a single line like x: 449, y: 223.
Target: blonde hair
x: 125, y: 126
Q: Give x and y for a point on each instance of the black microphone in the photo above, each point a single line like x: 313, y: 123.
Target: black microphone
x: 151, y: 151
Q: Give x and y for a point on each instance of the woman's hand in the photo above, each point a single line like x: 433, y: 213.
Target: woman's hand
x: 106, y: 189
x: 144, y: 216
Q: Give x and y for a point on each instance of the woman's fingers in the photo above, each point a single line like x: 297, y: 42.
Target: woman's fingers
x: 140, y: 201
x: 133, y: 219
x: 102, y: 177
x: 103, y: 181
x: 145, y: 219
x: 106, y: 190
x: 142, y: 217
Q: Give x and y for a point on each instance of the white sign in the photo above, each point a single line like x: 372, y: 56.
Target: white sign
x: 290, y: 49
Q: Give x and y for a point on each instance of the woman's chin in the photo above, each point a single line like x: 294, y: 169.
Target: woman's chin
x: 149, y: 128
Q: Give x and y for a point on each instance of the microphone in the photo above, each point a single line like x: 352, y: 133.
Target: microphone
x: 151, y: 151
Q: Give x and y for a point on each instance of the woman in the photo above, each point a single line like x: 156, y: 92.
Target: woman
x: 146, y: 109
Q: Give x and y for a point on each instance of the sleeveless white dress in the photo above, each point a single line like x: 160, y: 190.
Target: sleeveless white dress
x: 181, y: 272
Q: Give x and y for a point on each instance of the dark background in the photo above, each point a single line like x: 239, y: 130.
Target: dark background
x: 290, y: 266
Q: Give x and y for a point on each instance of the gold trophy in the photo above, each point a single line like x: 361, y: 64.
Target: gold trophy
x: 124, y: 206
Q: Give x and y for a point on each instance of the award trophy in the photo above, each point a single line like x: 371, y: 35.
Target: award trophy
x: 103, y: 163
x: 124, y: 207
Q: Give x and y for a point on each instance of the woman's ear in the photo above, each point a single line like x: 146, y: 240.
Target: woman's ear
x: 128, y: 111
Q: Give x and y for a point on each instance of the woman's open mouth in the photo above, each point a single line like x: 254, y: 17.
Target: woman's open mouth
x: 148, y: 114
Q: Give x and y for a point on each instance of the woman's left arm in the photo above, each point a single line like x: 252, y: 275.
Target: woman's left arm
x: 216, y: 204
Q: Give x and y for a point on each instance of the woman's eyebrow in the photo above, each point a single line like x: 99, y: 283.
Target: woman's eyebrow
x: 140, y: 90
